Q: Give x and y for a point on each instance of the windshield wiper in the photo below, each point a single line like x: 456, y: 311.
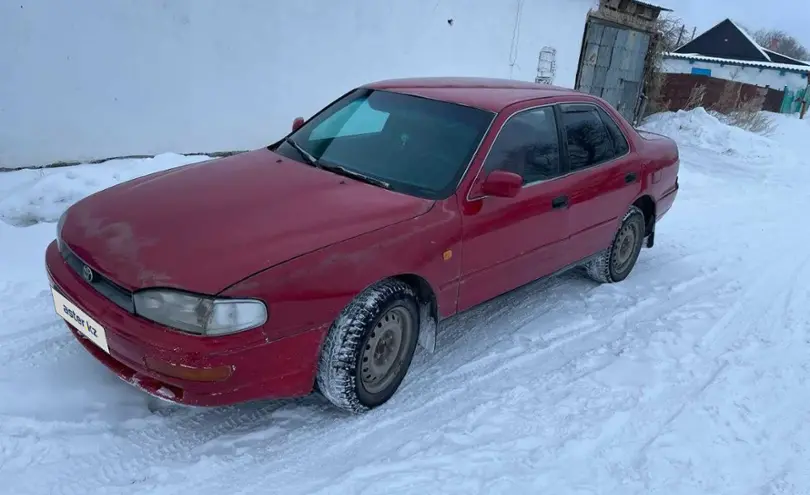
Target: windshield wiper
x: 354, y: 175
x: 310, y: 159
x: 307, y: 155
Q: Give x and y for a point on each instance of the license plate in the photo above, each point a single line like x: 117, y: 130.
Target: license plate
x: 80, y: 320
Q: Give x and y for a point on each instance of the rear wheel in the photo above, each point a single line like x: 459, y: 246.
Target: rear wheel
x: 615, y: 263
x: 369, y: 347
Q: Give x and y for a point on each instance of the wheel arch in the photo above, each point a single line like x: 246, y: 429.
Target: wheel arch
x: 646, y: 204
x: 428, y: 308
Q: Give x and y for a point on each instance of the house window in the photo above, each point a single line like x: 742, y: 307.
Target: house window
x: 701, y: 72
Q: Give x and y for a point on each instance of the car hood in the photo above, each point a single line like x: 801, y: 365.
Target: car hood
x: 205, y: 226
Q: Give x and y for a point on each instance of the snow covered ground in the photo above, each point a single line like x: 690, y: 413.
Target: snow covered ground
x: 691, y: 377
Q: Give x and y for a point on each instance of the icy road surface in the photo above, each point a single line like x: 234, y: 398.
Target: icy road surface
x: 691, y: 377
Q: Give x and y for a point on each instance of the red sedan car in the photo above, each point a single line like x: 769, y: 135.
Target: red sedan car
x: 321, y: 261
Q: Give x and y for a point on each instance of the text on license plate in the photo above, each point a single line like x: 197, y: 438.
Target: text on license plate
x: 80, y: 320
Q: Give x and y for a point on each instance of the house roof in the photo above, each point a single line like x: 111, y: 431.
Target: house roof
x: 783, y: 59
x: 659, y: 7
x: 727, y: 40
x: 745, y: 63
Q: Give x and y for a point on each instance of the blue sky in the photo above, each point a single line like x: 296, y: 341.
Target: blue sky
x: 792, y: 16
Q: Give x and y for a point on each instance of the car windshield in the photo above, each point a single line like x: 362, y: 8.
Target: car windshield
x: 410, y: 144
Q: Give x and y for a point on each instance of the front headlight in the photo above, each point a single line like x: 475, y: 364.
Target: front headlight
x: 59, y: 224
x: 199, y: 314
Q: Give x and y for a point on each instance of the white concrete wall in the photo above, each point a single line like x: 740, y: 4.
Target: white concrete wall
x: 747, y: 75
x: 88, y: 79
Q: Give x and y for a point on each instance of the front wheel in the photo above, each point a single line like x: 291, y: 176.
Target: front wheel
x: 369, y: 347
x: 616, y: 262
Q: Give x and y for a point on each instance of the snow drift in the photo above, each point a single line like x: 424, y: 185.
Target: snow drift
x: 29, y: 196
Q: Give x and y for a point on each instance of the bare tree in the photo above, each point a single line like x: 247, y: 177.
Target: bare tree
x: 780, y: 42
x: 671, y: 33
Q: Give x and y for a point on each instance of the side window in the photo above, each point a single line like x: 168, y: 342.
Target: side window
x: 355, y: 119
x: 589, y: 142
x: 527, y: 145
x: 620, y: 145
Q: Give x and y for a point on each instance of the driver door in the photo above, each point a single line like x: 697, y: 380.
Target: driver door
x: 508, y: 242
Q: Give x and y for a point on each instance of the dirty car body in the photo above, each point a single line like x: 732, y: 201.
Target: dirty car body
x: 255, y: 276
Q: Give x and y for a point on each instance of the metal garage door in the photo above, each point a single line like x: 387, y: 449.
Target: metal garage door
x: 612, y: 65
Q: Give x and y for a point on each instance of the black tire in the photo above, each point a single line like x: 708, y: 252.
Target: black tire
x: 343, y: 376
x: 611, y: 265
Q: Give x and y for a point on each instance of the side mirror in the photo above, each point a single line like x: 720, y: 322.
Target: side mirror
x: 502, y: 184
x: 297, y: 123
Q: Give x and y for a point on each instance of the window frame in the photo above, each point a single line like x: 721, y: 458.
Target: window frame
x: 562, y: 137
x: 561, y: 110
x: 563, y: 155
x: 602, y: 114
x: 560, y: 168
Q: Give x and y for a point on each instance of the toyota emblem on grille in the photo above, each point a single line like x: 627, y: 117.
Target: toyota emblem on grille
x: 87, y: 273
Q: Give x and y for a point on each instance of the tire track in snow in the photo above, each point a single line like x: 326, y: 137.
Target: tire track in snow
x: 743, y: 315
x: 133, y: 451
x: 756, y: 300
x: 24, y: 341
x: 647, y: 308
x: 767, y: 364
x: 57, y: 346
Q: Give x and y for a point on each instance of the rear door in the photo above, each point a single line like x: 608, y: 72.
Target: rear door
x: 604, y: 175
x: 508, y: 242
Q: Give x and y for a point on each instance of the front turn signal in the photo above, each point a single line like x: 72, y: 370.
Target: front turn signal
x: 183, y: 372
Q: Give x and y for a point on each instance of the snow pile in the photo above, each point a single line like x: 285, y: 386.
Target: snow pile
x: 719, y: 151
x: 698, y: 128
x: 28, y: 197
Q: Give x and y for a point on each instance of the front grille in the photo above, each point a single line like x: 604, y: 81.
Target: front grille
x: 107, y: 288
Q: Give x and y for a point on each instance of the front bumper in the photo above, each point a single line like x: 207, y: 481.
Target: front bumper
x: 260, y: 368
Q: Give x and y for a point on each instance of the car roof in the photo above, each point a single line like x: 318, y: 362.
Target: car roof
x: 485, y: 93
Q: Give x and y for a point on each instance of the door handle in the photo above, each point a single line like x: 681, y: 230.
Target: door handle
x: 630, y: 178
x: 559, y: 202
